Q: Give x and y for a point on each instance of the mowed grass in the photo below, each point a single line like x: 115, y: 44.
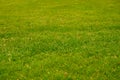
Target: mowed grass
x: 59, y: 40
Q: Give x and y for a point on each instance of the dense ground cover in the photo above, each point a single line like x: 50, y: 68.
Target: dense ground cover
x: 59, y: 40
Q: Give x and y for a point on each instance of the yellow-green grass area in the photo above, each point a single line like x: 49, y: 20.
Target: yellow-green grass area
x: 59, y: 39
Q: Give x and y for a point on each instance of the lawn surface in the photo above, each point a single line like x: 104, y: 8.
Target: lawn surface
x: 59, y: 39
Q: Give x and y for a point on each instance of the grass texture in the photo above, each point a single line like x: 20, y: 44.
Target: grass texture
x: 59, y: 39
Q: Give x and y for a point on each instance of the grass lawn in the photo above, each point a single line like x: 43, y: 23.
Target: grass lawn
x: 59, y: 39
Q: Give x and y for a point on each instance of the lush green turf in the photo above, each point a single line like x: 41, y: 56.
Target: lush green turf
x: 59, y: 39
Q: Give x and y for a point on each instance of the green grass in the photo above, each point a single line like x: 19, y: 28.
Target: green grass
x: 59, y: 40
